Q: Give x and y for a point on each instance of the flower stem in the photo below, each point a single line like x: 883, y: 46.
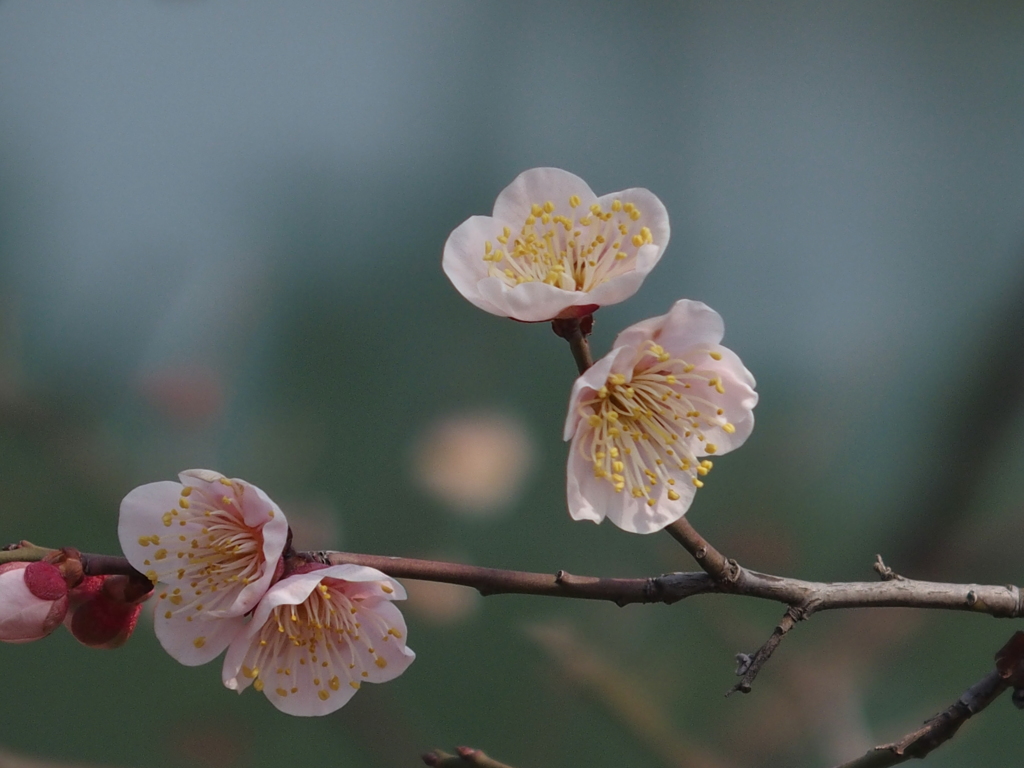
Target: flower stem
x: 575, y: 331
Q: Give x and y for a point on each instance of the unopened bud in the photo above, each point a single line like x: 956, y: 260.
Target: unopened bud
x: 105, y: 609
x: 33, y: 601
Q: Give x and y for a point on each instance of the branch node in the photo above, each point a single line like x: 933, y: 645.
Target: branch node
x: 972, y: 598
x: 743, y: 662
x: 885, y: 573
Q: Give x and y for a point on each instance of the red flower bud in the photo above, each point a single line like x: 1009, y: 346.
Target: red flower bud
x: 105, y: 609
x: 33, y: 601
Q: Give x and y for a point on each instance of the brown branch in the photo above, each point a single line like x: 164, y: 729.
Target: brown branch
x: 749, y: 666
x: 466, y: 756
x: 722, y: 570
x: 936, y: 731
x: 809, y: 596
x: 667, y: 588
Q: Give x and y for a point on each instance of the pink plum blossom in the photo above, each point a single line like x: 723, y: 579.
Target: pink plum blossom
x: 33, y: 601
x: 643, y: 416
x: 553, y: 249
x: 214, y: 544
x: 317, y: 636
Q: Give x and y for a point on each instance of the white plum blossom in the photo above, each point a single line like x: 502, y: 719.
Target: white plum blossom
x: 214, y: 544
x: 553, y: 249
x: 641, y: 419
x: 317, y: 636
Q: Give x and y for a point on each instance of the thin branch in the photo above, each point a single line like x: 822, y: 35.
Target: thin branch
x: 667, y: 588
x: 810, y: 596
x: 721, y: 569
x: 936, y: 731
x: 749, y: 666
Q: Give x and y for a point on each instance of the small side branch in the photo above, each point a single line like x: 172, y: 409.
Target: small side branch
x: 465, y: 756
x: 749, y: 666
x: 936, y: 731
x: 710, y: 559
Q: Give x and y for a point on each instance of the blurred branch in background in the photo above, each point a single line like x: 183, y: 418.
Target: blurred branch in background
x: 11, y: 760
x: 979, y: 418
x: 467, y: 756
x: 623, y: 697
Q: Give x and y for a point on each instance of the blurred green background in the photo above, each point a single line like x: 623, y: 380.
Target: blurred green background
x: 220, y: 235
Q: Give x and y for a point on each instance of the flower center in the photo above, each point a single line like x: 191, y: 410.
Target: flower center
x: 325, y: 642
x: 572, y: 252
x: 647, y: 431
x: 209, y: 552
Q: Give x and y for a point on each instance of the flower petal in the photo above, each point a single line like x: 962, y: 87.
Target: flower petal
x: 537, y: 185
x: 316, y: 636
x: 642, y: 418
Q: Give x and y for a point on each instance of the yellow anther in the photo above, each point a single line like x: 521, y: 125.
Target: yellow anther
x: 634, y: 214
x: 199, y: 642
x: 673, y: 495
x: 616, y: 205
x: 618, y: 466
x: 638, y: 240
x: 594, y: 420
x: 225, y: 481
x: 650, y: 502
x: 536, y: 210
x: 381, y: 662
x: 354, y: 684
x: 186, y: 491
x: 715, y: 355
x: 160, y: 554
x: 710, y: 447
x: 549, y: 207
x: 281, y: 692
x: 702, y: 471
x: 612, y: 416
x: 386, y: 588
x: 574, y: 200
x: 595, y: 209
x: 168, y: 615
x: 698, y: 483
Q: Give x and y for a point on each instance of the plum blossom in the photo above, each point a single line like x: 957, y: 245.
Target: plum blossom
x: 317, y: 636
x: 553, y: 249
x: 643, y: 416
x: 214, y: 544
x: 33, y: 601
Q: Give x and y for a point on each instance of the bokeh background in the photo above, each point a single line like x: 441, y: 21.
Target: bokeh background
x: 220, y: 236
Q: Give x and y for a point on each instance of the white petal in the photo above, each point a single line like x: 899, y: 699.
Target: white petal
x: 463, y: 260
x: 587, y: 384
x: 533, y: 302
x: 690, y: 323
x: 140, y: 518
x: 537, y: 186
x: 194, y: 642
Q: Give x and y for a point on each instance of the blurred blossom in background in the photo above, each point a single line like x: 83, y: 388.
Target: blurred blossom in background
x: 221, y: 228
x: 475, y: 463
